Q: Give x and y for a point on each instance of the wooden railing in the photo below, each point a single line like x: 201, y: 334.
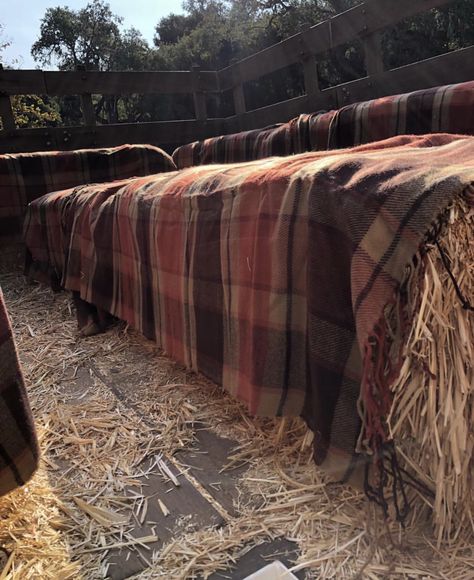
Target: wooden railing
x: 364, y: 22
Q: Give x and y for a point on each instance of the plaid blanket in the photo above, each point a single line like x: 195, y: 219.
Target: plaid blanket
x: 269, y: 277
x: 448, y: 109
x: 27, y: 176
x: 18, y: 445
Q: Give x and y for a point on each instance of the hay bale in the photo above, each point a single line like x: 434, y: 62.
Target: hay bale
x: 433, y: 408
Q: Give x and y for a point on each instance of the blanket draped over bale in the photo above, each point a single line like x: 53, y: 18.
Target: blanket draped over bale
x: 26, y: 176
x: 274, y: 278
x: 18, y: 444
x: 446, y: 109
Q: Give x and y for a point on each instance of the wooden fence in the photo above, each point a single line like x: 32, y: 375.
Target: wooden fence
x: 364, y: 22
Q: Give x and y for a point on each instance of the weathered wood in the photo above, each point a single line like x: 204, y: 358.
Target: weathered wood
x: 182, y: 502
x: 310, y: 70
x: 88, y: 111
x: 207, y: 461
x: 155, y: 133
x: 453, y: 67
x: 373, y: 54
x: 278, y: 549
x: 15, y: 82
x: 239, y: 99
x: 6, y: 113
x: 22, y: 82
x: 285, y: 110
x: 199, y: 96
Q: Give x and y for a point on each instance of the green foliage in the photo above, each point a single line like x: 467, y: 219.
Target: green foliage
x: 437, y: 32
x: 33, y: 111
x: 89, y: 37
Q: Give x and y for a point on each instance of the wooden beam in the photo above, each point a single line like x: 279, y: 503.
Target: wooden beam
x: 373, y: 54
x: 310, y: 70
x: 88, y: 111
x: 14, y: 82
x: 67, y: 138
x: 199, y: 96
x: 6, y: 113
x: 22, y: 82
x: 450, y: 68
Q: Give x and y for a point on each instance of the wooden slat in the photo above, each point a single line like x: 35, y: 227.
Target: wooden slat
x: 199, y: 96
x: 239, y: 100
x: 311, y: 81
x: 450, y: 68
x: 373, y: 54
x: 276, y: 113
x: 6, y: 113
x: 126, y: 83
x: 22, y: 82
x: 156, y: 133
x: 88, y: 111
x: 310, y: 70
x: 364, y: 19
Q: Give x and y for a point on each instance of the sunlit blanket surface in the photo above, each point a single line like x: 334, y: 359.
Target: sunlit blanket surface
x: 269, y: 277
x: 18, y: 445
x: 446, y: 109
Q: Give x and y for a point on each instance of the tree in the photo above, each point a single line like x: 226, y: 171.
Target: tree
x: 88, y: 37
x: 91, y: 38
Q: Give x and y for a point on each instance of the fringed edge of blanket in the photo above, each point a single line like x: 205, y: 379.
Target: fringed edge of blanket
x: 385, y: 481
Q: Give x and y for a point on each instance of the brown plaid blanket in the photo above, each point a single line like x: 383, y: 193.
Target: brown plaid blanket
x: 27, y: 176
x: 18, y: 445
x: 447, y: 109
x: 270, y: 277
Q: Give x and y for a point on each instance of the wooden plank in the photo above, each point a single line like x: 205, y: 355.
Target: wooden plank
x: 240, y: 106
x: 185, y: 503
x: 6, y: 113
x: 262, y: 63
x: 199, y: 96
x: 125, y: 83
x: 88, y: 111
x: 285, y: 110
x: 255, y: 559
x: 22, y: 82
x: 311, y: 81
x: 67, y: 138
x: 207, y: 459
x: 373, y: 54
x: 310, y: 69
x: 450, y: 68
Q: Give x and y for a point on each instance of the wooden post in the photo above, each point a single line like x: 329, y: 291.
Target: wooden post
x: 373, y: 54
x: 87, y: 107
x: 240, y: 107
x: 200, y: 108
x: 88, y: 111
x: 6, y: 111
x: 310, y: 71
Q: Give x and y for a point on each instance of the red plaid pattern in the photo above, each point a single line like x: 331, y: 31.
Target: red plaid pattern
x: 269, y: 277
x: 18, y: 445
x: 448, y: 109
x: 26, y: 176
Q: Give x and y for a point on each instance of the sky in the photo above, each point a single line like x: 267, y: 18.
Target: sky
x: 21, y: 19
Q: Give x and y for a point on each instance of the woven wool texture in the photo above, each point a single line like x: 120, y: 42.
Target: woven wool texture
x: 268, y: 277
